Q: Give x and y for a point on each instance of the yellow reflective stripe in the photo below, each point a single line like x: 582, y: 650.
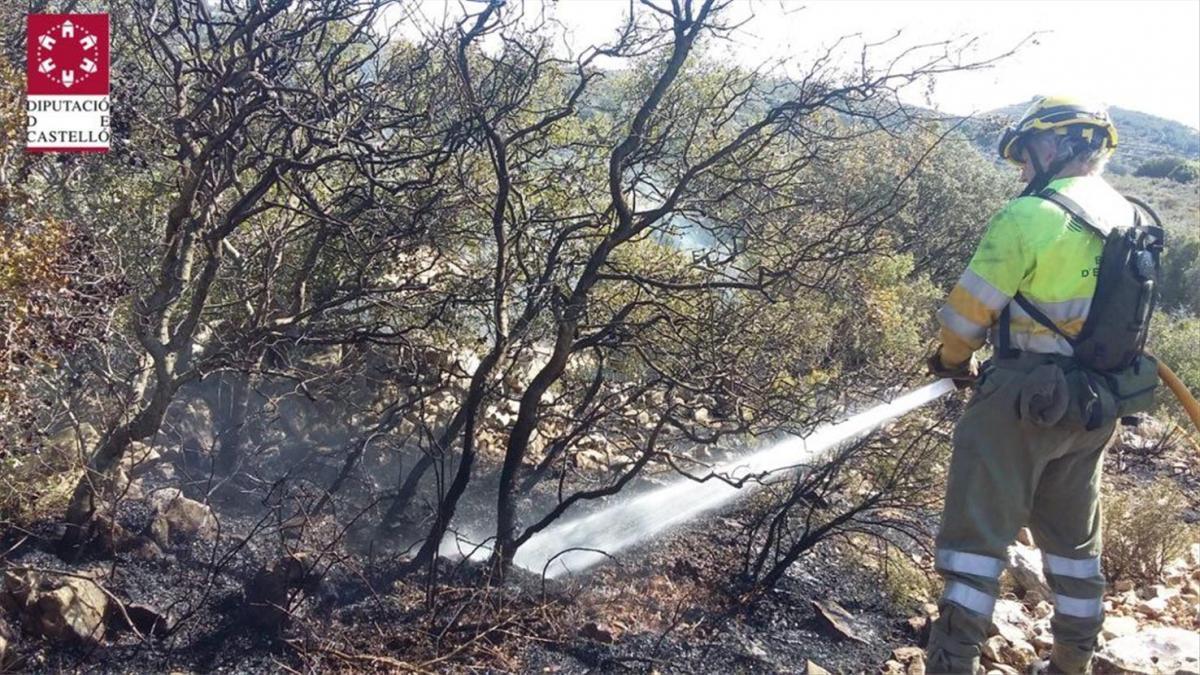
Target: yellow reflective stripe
x: 971, y: 308
x: 983, y: 291
x: 1080, y: 607
x: 968, y: 563
x: 1026, y: 324
x: 1076, y: 568
x: 955, y: 349
x: 961, y: 325
x: 968, y: 598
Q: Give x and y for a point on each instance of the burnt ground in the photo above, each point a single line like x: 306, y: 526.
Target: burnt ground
x: 672, y: 607
x: 676, y: 605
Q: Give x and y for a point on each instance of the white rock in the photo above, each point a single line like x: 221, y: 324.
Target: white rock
x: 1010, y: 620
x: 993, y: 648
x: 1020, y: 654
x: 1025, y: 537
x: 1153, y: 607
x: 62, y: 609
x: 755, y: 649
x: 1025, y: 568
x: 1154, y: 650
x: 907, y: 654
x: 1119, y: 626
x: 139, y: 458
x: 1043, y: 610
x: 177, y: 517
x: 811, y: 668
x: 1164, y: 592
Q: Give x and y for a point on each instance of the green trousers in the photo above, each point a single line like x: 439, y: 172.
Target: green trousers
x: 1022, y: 456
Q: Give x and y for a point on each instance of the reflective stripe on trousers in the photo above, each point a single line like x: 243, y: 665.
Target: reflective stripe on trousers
x: 969, y: 563
x: 1075, y: 568
x: 1084, y: 608
x: 969, y: 598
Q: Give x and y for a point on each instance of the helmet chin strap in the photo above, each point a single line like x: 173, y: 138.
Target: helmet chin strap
x: 1043, y: 176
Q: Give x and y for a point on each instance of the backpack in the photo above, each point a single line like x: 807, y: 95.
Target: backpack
x: 1114, y: 334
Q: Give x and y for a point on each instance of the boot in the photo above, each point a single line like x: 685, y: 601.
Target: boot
x: 1070, y: 659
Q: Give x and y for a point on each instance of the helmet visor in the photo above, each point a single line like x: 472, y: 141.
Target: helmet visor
x: 1010, y: 146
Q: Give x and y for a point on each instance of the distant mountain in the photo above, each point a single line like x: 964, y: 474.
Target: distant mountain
x: 1141, y: 136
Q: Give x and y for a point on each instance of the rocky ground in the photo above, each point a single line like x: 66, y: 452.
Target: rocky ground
x: 227, y: 587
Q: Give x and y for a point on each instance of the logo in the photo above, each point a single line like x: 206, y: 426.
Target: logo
x: 67, y: 83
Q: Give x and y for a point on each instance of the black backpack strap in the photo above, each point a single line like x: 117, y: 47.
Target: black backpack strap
x: 1004, y: 334
x: 1040, y: 317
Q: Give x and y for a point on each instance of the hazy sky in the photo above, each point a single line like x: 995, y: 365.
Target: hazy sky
x: 1142, y: 54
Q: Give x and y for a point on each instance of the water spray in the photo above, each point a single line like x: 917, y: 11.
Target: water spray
x: 577, y: 544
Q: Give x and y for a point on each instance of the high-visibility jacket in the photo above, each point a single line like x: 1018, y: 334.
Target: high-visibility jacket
x: 1035, y: 247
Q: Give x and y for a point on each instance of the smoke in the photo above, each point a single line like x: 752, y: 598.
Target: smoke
x: 575, y: 545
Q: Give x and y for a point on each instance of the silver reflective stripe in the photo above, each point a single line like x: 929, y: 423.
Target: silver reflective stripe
x: 960, y: 324
x: 1081, y: 607
x: 969, y: 563
x: 1043, y: 343
x: 969, y: 598
x: 1059, y: 312
x: 1077, y: 568
x: 983, y: 291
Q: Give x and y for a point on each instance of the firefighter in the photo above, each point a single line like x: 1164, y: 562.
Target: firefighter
x: 1029, y: 447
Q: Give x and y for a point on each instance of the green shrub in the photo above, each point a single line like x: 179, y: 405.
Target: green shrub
x: 1144, y: 530
x: 1173, y: 340
x: 1180, y: 289
x: 1116, y: 168
x: 901, y: 579
x: 1175, y: 168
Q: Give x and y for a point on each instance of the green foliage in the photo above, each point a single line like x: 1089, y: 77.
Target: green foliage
x: 956, y: 192
x: 905, y: 584
x: 892, y: 296
x: 1176, y: 168
x: 1116, y: 167
x: 1181, y: 275
x: 56, y: 293
x: 1144, y: 530
x: 1174, y: 339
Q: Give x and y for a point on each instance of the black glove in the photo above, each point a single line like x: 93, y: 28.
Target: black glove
x: 963, y: 375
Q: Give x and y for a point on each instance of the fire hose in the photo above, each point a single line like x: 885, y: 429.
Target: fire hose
x: 1181, y: 392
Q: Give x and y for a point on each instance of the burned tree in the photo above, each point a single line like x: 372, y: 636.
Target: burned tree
x: 592, y: 183
x: 298, y: 162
